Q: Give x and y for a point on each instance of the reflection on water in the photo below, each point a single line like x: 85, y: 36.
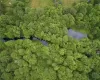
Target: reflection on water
x: 42, y: 41
x: 71, y: 33
x: 2, y: 40
x: 33, y: 38
x: 76, y: 35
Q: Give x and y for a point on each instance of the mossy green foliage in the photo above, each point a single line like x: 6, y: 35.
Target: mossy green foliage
x: 29, y: 60
x: 64, y: 58
x: 2, y: 7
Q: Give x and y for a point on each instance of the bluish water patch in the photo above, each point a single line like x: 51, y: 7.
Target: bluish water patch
x: 76, y: 35
x: 42, y: 41
x: 34, y: 38
x: 2, y: 40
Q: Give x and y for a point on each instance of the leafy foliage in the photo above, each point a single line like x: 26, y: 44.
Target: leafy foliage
x: 64, y: 58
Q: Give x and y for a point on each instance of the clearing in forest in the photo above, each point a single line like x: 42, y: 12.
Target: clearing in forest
x: 41, y: 3
x: 68, y: 3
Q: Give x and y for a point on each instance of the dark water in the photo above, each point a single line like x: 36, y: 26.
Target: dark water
x: 42, y: 41
x: 32, y: 38
x: 71, y: 33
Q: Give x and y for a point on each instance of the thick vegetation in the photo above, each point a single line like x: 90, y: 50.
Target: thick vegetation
x: 64, y: 58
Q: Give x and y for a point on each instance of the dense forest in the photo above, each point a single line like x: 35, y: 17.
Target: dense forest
x: 35, y: 45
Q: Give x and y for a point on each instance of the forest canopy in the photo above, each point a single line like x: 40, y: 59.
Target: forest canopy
x: 24, y: 57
